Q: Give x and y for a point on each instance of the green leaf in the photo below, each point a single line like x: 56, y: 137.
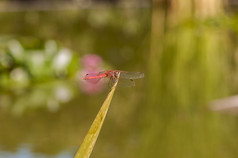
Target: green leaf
x: 90, y: 139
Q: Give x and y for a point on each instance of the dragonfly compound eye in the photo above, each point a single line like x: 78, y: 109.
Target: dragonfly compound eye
x: 116, y: 74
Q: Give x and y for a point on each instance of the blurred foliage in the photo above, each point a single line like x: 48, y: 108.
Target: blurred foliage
x: 30, y: 73
x: 115, y: 34
x: 37, y: 61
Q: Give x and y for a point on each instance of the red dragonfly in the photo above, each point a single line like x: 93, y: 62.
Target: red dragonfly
x: 113, y: 76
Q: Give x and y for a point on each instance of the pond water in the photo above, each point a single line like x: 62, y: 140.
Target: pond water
x: 188, y: 61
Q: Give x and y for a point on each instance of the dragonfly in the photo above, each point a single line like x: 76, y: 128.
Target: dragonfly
x: 113, y: 75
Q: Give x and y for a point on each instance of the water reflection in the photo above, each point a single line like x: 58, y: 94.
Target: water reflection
x: 49, y: 133
x: 49, y: 95
x: 24, y: 151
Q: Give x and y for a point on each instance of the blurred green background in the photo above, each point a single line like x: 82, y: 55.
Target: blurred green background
x: 186, y: 49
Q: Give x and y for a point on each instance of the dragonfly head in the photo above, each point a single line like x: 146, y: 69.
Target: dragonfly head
x: 116, y: 74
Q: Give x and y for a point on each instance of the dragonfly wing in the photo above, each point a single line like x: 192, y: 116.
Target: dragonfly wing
x: 131, y: 75
x: 122, y: 82
x: 126, y: 83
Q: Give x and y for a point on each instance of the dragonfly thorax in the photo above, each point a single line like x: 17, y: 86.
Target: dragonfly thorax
x: 113, y: 74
